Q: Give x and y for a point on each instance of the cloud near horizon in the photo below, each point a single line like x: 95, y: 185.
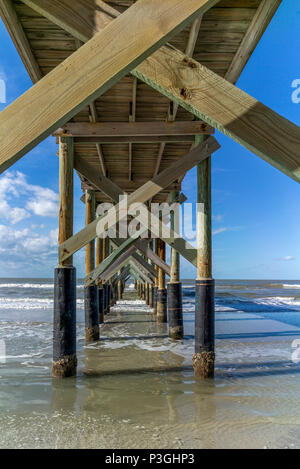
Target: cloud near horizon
x: 41, y: 201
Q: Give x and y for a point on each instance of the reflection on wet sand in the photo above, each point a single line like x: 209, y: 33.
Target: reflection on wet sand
x: 136, y: 389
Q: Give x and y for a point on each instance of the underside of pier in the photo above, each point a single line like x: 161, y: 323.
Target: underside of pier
x: 133, y: 92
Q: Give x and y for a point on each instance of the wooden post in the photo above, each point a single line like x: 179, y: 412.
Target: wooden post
x: 90, y: 292
x: 120, y: 289
x: 155, y: 289
x: 204, y: 358
x: 161, y: 292
x: 104, y: 256
x: 99, y: 254
x: 147, y: 286
x: 64, y: 329
x: 174, y: 287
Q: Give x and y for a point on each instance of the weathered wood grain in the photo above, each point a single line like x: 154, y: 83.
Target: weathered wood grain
x: 143, y: 194
x: 90, y: 71
x: 66, y: 192
x: 134, y: 129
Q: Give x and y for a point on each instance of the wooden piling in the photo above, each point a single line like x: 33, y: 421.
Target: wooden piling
x: 99, y: 254
x: 90, y: 292
x: 64, y: 328
x: 174, y: 287
x: 204, y: 358
x: 162, y: 292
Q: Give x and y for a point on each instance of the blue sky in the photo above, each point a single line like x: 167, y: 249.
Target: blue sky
x: 256, y: 219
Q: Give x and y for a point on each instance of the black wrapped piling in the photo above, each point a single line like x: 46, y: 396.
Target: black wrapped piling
x: 64, y: 331
x: 175, y: 316
x: 204, y: 358
x: 91, y: 313
x: 162, y: 306
x: 101, y: 305
x: 108, y: 293
x: 155, y: 289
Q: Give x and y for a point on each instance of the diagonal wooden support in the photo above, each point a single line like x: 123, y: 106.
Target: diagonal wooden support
x: 114, y: 192
x: 112, y: 264
x: 124, y: 252
x: 211, y: 98
x: 141, y: 246
x: 140, y: 271
x: 123, y: 274
x: 15, y: 29
x: 114, y: 270
x: 111, y: 258
x: 144, y: 193
x: 145, y: 250
x: 90, y: 71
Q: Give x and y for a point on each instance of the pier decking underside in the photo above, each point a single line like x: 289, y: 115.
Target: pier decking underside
x: 216, y: 40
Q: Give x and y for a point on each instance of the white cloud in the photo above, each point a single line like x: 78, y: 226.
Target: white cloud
x: 287, y: 258
x: 26, y: 245
x: 219, y: 231
x: 41, y: 201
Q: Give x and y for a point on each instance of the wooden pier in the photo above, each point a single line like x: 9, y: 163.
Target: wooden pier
x: 133, y: 92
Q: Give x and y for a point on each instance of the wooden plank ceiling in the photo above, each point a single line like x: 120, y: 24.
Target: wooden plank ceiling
x: 216, y: 45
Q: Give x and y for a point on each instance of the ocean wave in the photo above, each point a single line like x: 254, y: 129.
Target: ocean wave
x: 288, y: 285
x: 49, y: 286
x: 30, y: 303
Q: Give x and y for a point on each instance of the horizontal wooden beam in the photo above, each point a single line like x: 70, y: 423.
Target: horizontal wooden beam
x: 129, y: 139
x: 90, y: 71
x: 134, y: 129
x: 143, y: 194
x: 219, y: 103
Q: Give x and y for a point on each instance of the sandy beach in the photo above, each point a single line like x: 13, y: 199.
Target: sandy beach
x: 135, y: 388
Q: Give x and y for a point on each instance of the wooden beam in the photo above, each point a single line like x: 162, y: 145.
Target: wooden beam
x: 140, y: 271
x: 134, y: 129
x: 114, y: 192
x: 81, y: 18
x: 115, y: 266
x: 90, y: 71
x: 97, y: 180
x: 152, y: 256
x: 16, y: 32
x: 259, y: 24
x: 65, y: 216
x: 132, y: 139
x: 132, y: 118
x: 93, y: 119
x: 90, y: 209
x: 223, y: 106
x: 138, y: 258
x: 144, y: 193
x: 227, y: 108
x: 114, y: 256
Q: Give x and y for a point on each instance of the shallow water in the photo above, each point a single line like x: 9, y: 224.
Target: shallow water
x: 136, y: 389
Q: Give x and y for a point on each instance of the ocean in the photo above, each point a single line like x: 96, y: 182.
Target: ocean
x: 135, y: 388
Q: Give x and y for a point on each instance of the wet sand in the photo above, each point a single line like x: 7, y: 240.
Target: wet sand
x: 135, y: 389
